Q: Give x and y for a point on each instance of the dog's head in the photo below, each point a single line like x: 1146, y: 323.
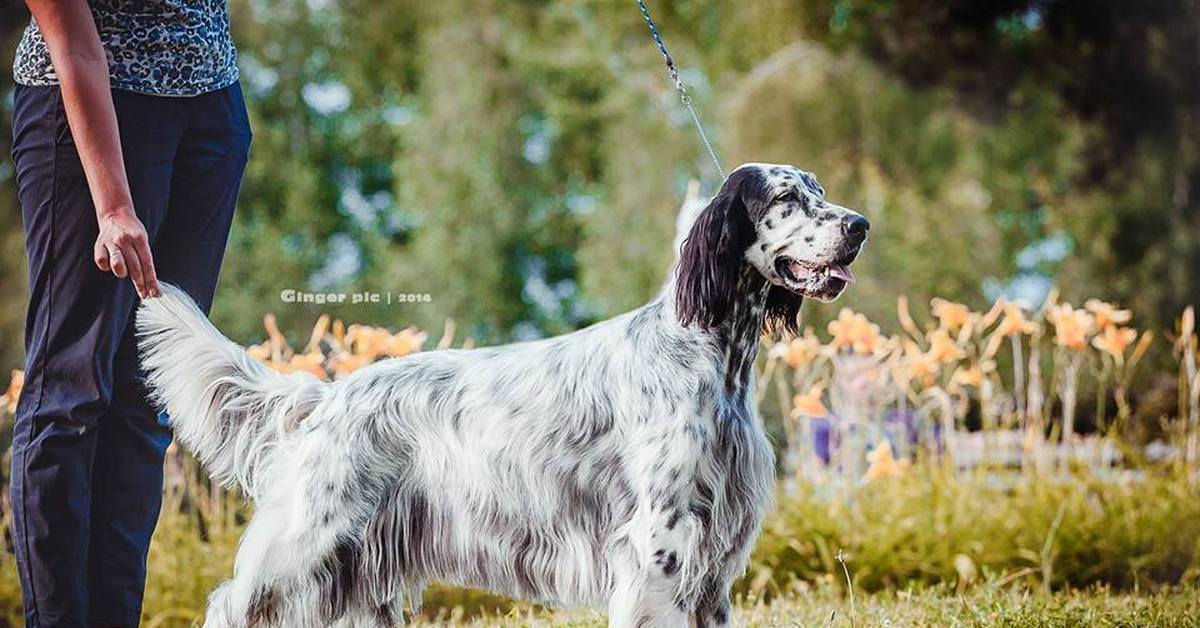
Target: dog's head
x: 776, y: 219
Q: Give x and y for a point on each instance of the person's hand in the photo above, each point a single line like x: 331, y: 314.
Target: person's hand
x: 123, y: 249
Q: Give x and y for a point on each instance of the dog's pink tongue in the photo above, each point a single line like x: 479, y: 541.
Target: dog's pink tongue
x: 841, y: 272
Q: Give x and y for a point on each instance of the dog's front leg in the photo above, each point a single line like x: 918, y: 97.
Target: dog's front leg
x: 647, y: 572
x: 714, y: 609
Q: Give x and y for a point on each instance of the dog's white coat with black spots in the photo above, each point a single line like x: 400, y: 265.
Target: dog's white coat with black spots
x: 621, y: 467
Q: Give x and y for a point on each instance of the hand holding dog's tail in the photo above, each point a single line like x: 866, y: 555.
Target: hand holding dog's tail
x: 227, y: 408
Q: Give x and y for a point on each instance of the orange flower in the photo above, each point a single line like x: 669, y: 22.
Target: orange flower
x: 800, y: 351
x: 1014, y: 321
x: 855, y: 331
x: 991, y: 315
x: 920, y: 366
x: 349, y: 349
x: 318, y: 332
x: 407, y: 341
x: 942, y: 347
x: 311, y: 362
x: 1114, y: 340
x: 377, y: 341
x: 906, y: 319
x: 282, y: 367
x: 14, y: 390
x: 1071, y: 326
x: 275, y: 338
x: 970, y: 376
x: 338, y: 332
x: 366, y: 340
x: 883, y: 463
x: 951, y: 315
x: 343, y: 364
x: 809, y: 403
x: 260, y: 352
x: 1107, y: 314
x: 973, y: 375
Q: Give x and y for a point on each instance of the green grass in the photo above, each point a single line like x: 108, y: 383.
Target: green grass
x: 982, y: 549
x: 985, y: 606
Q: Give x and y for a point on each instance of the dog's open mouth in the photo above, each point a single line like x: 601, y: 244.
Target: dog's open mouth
x: 823, y: 282
x: 799, y: 273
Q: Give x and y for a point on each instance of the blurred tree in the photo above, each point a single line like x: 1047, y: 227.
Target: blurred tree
x: 522, y: 162
x: 949, y: 196
x: 1128, y: 70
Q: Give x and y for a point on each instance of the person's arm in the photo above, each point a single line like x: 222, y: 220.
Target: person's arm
x: 82, y: 68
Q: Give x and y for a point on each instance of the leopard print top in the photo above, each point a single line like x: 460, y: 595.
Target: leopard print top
x: 162, y: 47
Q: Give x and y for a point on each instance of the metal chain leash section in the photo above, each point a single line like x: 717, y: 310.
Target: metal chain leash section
x: 673, y: 72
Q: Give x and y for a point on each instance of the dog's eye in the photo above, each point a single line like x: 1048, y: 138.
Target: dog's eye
x: 787, y: 197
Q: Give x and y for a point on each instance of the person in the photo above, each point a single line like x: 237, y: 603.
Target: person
x: 130, y: 138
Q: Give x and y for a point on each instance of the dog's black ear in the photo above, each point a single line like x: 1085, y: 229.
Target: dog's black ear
x: 782, y: 311
x: 711, y: 259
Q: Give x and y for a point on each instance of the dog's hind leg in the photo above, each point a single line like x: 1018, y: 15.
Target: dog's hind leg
x: 296, y: 563
x: 219, y: 614
x: 243, y: 601
x: 288, y: 580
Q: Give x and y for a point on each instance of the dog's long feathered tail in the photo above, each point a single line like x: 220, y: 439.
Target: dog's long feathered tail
x: 228, y: 409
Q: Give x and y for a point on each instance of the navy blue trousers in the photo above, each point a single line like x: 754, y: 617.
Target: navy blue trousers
x: 87, y: 448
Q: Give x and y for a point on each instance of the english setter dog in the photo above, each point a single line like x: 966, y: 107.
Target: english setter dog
x: 621, y: 467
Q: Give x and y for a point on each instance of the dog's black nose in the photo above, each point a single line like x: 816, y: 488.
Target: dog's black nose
x: 857, y: 226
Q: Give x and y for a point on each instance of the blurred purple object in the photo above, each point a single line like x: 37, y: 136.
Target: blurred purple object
x: 822, y: 437
x: 898, y: 425
x: 908, y: 421
x: 912, y: 426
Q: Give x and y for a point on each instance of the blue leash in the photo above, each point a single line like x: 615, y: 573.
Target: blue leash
x: 673, y: 72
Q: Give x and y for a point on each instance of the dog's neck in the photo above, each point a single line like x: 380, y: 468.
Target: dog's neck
x: 740, y: 334
x: 735, y: 339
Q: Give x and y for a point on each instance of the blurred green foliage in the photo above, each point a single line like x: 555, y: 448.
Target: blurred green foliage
x: 522, y: 162
x: 1050, y: 530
